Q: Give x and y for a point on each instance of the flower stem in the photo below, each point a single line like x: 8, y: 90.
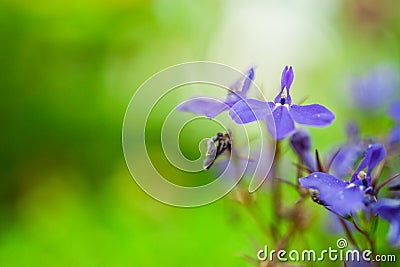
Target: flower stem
x: 378, y: 172
x: 368, y: 237
x: 276, y: 188
x: 348, y: 233
x: 388, y: 180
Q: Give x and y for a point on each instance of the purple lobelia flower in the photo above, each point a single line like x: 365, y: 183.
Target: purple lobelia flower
x: 301, y: 144
x: 389, y: 209
x: 210, y: 107
x: 376, y: 88
x: 375, y: 153
x: 284, y: 112
x: 394, y: 112
x: 348, y: 153
x: 346, y: 197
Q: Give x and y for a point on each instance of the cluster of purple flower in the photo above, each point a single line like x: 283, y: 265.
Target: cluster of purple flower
x: 245, y: 110
x: 328, y: 186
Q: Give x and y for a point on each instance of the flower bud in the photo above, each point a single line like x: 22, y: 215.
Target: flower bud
x: 300, y: 142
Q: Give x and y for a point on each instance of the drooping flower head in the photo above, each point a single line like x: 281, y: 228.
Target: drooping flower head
x: 346, y: 197
x: 284, y: 112
x: 301, y: 144
x: 211, y: 107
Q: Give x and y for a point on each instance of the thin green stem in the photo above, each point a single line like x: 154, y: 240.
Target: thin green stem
x: 378, y: 172
x: 379, y: 187
x: 367, y: 236
x: 348, y: 233
x: 329, y: 165
x: 276, y: 189
x: 287, y: 182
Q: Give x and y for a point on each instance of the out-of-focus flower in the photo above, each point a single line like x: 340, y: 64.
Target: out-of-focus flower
x: 376, y: 88
x: 358, y: 262
x: 394, y: 112
x: 284, y: 113
x: 335, y: 224
x: 373, y: 17
x: 389, y: 209
x: 301, y: 144
x: 346, y: 197
x: 348, y: 153
x: 210, y: 107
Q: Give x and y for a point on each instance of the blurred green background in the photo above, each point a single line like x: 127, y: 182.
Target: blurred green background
x: 67, y: 72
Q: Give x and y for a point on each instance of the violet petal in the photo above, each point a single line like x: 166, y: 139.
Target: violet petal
x: 204, y: 106
x: 284, y: 124
x: 338, y: 195
x: 289, y: 77
x: 389, y: 209
x: 247, y: 82
x: 313, y: 115
x: 245, y: 111
x: 375, y: 153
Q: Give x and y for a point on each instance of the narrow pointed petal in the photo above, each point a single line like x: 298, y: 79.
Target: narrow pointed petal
x: 283, y: 78
x: 313, y: 115
x: 338, y: 195
x: 286, y: 82
x: 346, y: 158
x: 247, y: 82
x: 289, y: 77
x: 208, y: 107
x: 284, y: 124
x: 375, y: 153
x: 245, y: 111
x: 288, y: 98
x: 240, y: 88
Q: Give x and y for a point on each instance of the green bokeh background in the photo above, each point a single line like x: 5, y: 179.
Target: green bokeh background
x: 67, y: 72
